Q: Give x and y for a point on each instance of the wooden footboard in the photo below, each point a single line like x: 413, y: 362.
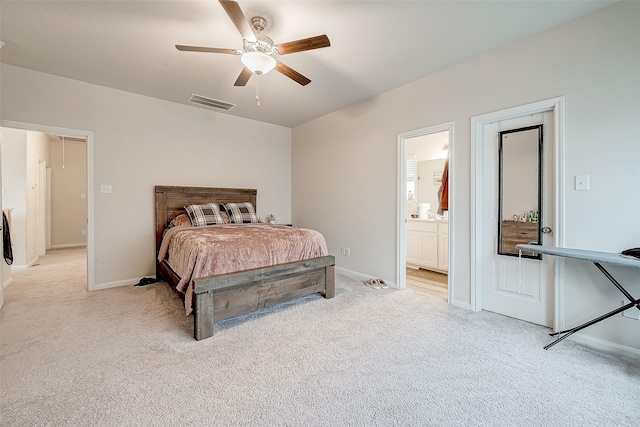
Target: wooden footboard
x: 226, y: 295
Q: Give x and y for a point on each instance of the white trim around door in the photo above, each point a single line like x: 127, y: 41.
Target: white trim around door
x: 478, y: 144
x: 90, y: 209
x: 401, y: 252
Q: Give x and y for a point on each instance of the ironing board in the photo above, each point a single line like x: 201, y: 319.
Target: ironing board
x: 597, y: 258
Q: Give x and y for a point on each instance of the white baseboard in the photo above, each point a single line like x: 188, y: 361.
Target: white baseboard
x: 128, y: 282
x: 360, y: 276
x: 15, y: 267
x: 460, y: 304
x: 619, y: 349
x: 70, y: 245
x: 8, y: 283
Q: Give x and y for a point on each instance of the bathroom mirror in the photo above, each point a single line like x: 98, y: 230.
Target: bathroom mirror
x: 520, y: 189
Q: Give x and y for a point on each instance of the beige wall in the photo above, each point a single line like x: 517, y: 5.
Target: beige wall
x: 344, y: 164
x: 140, y: 142
x: 68, y: 184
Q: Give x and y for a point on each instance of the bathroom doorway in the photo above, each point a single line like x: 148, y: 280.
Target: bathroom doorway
x: 423, y: 210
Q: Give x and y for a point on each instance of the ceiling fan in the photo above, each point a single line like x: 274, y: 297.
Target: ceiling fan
x: 259, y: 54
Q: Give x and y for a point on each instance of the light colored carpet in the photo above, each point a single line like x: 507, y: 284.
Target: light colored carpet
x: 125, y: 357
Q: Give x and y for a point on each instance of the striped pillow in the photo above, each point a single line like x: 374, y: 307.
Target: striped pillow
x: 207, y: 214
x: 241, y: 213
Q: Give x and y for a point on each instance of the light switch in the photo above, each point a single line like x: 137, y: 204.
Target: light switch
x: 582, y: 182
x: 106, y: 189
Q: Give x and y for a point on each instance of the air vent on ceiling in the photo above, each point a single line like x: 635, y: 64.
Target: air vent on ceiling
x: 71, y: 138
x: 210, y: 102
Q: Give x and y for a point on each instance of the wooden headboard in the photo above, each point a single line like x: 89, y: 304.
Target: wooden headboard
x: 170, y: 201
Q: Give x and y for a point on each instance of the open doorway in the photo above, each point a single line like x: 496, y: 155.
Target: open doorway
x: 46, y: 187
x: 423, y: 210
x: 427, y: 220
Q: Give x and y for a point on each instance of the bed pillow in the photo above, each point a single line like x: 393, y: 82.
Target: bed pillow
x: 207, y: 214
x: 180, y: 220
x: 241, y: 213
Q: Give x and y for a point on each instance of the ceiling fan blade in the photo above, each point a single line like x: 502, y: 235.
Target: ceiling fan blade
x: 292, y: 74
x: 206, y: 49
x: 237, y: 17
x: 305, y: 44
x: 243, y: 78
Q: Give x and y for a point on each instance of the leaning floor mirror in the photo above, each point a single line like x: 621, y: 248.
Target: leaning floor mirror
x: 520, y: 190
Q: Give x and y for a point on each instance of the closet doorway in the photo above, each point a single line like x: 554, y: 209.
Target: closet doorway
x: 47, y: 186
x: 423, y: 210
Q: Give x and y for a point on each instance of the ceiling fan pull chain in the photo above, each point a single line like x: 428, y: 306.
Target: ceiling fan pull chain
x: 258, y: 89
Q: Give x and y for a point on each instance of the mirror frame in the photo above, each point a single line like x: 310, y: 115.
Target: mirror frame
x: 500, y: 195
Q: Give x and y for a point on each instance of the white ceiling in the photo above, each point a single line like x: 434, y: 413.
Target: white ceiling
x: 375, y: 46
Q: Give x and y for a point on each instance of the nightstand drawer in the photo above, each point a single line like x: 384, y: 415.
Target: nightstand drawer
x: 516, y: 233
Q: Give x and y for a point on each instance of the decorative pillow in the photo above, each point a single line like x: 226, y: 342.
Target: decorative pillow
x: 207, y: 214
x: 240, y: 213
x: 180, y: 220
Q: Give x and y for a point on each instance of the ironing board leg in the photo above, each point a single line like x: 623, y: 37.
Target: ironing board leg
x: 633, y: 303
x: 589, y: 323
x: 615, y: 282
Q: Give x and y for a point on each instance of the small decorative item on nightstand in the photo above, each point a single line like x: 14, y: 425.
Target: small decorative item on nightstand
x: 271, y: 218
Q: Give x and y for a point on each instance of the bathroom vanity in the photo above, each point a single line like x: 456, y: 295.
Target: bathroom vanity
x: 427, y: 244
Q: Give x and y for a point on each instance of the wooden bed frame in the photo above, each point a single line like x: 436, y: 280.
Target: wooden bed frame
x: 226, y: 295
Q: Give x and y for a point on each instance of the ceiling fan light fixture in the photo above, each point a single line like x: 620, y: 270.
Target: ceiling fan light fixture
x: 258, y: 62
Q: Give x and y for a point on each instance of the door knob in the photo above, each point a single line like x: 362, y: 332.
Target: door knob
x: 546, y: 230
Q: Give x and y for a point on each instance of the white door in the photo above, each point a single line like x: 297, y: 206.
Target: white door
x: 48, y: 215
x: 429, y: 253
x: 443, y: 249
x: 413, y: 247
x: 517, y: 287
x: 41, y: 227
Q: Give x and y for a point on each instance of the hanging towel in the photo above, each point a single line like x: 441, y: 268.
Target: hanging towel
x: 443, y: 192
x: 6, y: 240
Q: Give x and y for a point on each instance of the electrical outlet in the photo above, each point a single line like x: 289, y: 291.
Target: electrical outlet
x: 631, y: 313
x: 84, y: 232
x: 106, y: 189
x: 347, y: 252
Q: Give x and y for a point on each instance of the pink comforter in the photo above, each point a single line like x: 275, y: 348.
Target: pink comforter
x: 195, y: 252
